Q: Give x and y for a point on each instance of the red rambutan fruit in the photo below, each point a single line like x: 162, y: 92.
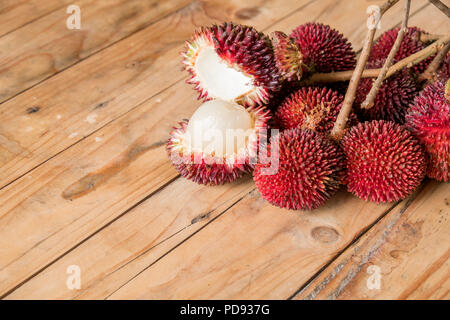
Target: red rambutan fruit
x: 429, y: 120
x: 324, y: 49
x: 393, y: 99
x: 289, y: 59
x: 314, y: 108
x: 232, y: 62
x: 219, y: 143
x: 411, y: 43
x: 309, y: 171
x: 385, y: 162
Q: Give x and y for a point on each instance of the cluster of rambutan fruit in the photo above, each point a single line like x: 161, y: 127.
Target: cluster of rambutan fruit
x: 251, y: 83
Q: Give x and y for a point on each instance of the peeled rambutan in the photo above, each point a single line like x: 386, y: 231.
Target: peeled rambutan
x: 314, y: 108
x: 324, y: 49
x: 393, y: 99
x: 288, y: 58
x: 219, y: 143
x: 385, y: 162
x: 232, y: 62
x: 309, y: 170
x: 411, y: 43
x: 429, y: 120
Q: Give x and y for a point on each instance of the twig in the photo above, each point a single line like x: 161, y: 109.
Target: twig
x: 370, y: 98
x: 419, y: 55
x: 441, y: 7
x: 430, y: 73
x: 373, y: 73
x: 427, y: 37
x: 341, y: 121
x: 386, y: 6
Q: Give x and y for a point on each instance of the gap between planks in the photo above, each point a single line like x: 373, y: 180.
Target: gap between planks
x: 25, y: 14
x: 410, y: 248
x: 357, y: 238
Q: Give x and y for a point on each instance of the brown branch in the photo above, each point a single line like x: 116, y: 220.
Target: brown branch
x: 430, y: 73
x: 441, y: 7
x: 386, y: 6
x: 370, y: 98
x: 419, y: 55
x: 341, y: 121
x: 427, y: 37
x: 373, y: 73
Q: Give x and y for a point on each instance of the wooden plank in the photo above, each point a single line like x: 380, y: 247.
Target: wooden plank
x: 95, y: 181
x: 104, y: 286
x: 408, y: 249
x: 16, y: 13
x: 46, y: 46
x: 135, y: 240
x: 55, y: 114
x: 254, y: 251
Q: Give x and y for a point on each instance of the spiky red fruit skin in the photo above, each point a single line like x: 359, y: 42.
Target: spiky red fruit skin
x: 205, y: 171
x: 410, y: 44
x: 210, y: 170
x: 385, y: 162
x: 311, y: 169
x: 429, y: 120
x: 247, y: 48
x: 393, y: 99
x: 314, y: 108
x: 288, y: 58
x: 324, y: 49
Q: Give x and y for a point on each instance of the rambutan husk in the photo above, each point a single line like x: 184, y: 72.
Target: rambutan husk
x: 288, y: 58
x: 411, y: 43
x: 210, y: 168
x: 385, y: 162
x: 393, y: 98
x: 314, y: 108
x: 324, y: 49
x: 310, y: 170
x: 232, y: 62
x: 429, y: 120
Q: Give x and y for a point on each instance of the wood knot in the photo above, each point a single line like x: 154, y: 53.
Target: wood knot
x: 33, y: 109
x: 133, y: 64
x: 247, y: 13
x: 325, y: 234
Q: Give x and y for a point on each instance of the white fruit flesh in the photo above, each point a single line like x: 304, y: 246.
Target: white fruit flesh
x: 219, y: 128
x: 220, y: 80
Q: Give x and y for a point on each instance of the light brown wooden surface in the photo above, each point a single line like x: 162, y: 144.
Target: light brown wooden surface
x: 46, y: 46
x: 86, y: 180
x: 406, y: 246
x: 17, y: 13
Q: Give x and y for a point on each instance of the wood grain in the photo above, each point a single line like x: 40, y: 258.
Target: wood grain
x: 254, y: 251
x: 134, y: 241
x: 410, y: 246
x: 16, y: 13
x: 47, y: 46
x: 77, y: 187
x: 109, y: 84
x: 81, y: 190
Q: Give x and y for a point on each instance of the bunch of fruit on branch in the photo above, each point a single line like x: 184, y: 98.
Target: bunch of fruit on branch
x: 329, y: 133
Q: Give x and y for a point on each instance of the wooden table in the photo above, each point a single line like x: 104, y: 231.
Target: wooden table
x: 86, y: 184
